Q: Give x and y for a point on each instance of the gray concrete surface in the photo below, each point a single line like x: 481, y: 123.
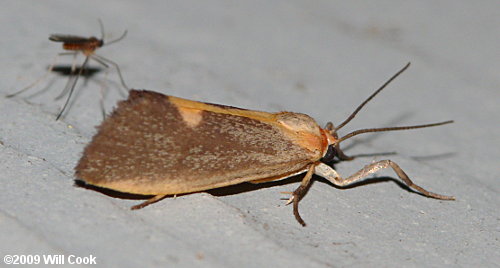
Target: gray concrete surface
x: 317, y: 57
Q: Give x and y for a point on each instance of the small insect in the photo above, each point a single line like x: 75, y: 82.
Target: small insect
x: 77, y: 44
x: 161, y: 145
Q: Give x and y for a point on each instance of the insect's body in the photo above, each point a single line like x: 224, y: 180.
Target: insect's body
x: 187, y: 140
x: 161, y: 145
x: 77, y: 43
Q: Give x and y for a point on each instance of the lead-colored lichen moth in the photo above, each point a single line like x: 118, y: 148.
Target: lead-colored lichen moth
x: 160, y: 145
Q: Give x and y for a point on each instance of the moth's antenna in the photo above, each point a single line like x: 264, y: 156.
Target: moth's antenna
x: 371, y: 97
x: 361, y: 131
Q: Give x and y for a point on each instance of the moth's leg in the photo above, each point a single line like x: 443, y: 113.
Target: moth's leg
x: 152, y: 200
x: 299, y: 193
x: 331, y: 175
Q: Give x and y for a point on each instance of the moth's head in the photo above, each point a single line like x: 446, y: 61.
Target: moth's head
x: 333, y: 138
x: 333, y: 149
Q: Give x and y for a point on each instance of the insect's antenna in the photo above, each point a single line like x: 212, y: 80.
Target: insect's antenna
x: 371, y: 97
x: 101, y: 25
x: 367, y: 130
x: 117, y: 39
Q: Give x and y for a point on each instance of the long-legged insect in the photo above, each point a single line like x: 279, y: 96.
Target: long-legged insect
x: 77, y: 44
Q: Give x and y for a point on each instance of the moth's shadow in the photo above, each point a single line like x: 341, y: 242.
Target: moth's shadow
x: 249, y: 187
x: 111, y: 193
x: 223, y: 191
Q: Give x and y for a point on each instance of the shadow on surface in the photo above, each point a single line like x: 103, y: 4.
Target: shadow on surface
x: 248, y: 187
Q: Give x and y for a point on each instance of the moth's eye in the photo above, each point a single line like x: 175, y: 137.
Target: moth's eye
x: 329, y: 155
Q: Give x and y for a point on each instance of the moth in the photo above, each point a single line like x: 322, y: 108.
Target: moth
x: 159, y: 145
x: 76, y: 45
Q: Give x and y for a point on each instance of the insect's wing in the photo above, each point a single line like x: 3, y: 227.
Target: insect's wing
x: 156, y: 144
x: 68, y: 38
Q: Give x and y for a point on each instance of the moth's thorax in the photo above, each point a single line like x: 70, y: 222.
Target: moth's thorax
x: 298, y: 122
x: 305, y: 131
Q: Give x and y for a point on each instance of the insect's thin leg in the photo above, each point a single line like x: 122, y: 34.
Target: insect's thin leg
x: 99, y: 61
x: 49, y: 70
x: 103, y: 111
x: 72, y: 88
x: 102, y: 59
x: 152, y: 200
x: 374, y: 167
x: 299, y: 193
x: 70, y: 79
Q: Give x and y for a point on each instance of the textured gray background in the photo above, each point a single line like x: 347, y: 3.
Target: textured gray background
x: 317, y: 57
